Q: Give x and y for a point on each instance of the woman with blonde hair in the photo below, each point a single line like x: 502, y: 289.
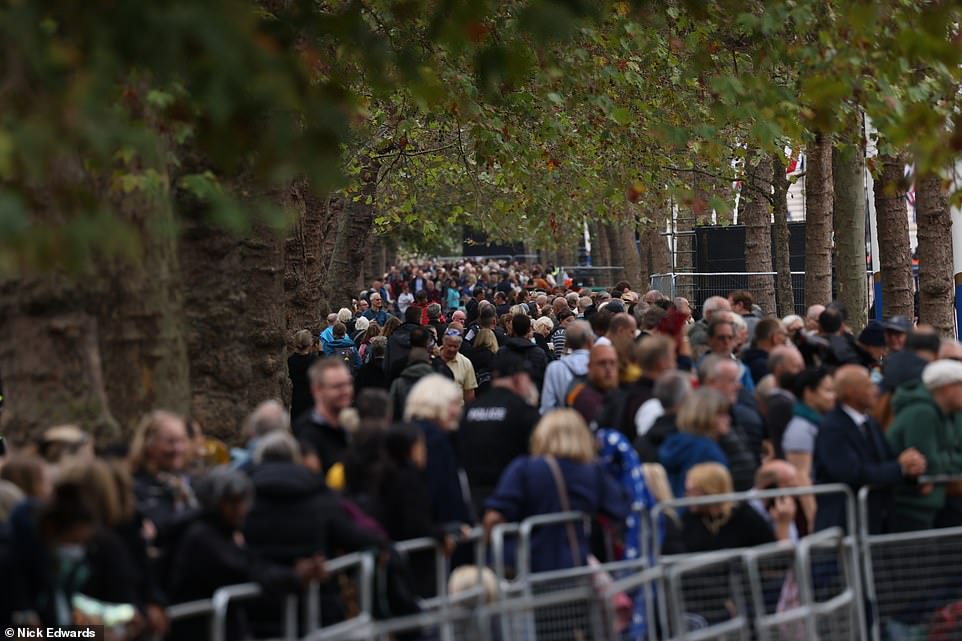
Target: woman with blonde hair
x: 482, y: 357
x: 701, y: 421
x: 563, y: 473
x: 434, y: 405
x: 297, y: 365
x: 727, y: 525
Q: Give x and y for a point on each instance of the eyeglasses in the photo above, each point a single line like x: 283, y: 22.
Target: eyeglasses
x: 723, y: 337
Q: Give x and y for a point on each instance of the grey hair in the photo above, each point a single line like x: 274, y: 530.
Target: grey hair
x: 712, y: 304
x: 434, y: 310
x: 344, y: 315
x: 708, y: 370
x: 672, y: 388
x: 277, y: 446
x: 269, y: 416
x: 223, y: 484
x: 578, y: 335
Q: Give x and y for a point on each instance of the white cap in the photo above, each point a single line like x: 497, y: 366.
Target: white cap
x: 940, y: 373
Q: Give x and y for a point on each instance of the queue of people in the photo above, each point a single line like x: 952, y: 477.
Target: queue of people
x: 460, y: 395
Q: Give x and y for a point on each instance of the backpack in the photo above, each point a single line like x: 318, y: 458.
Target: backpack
x: 346, y: 354
x: 577, y: 384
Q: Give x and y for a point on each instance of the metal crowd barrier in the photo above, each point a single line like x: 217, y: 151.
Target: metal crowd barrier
x: 215, y: 609
x: 832, y: 585
x: 913, y: 579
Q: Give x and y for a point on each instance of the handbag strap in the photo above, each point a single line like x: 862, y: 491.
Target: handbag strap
x: 562, y: 488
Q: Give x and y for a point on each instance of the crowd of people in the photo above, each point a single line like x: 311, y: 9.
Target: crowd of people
x: 457, y: 395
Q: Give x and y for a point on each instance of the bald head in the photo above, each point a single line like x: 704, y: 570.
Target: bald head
x: 785, y: 360
x: 622, y: 325
x: 950, y: 349
x: 777, y: 473
x: 853, y: 386
x: 603, y: 367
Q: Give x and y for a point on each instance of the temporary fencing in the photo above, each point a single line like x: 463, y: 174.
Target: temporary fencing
x: 913, y: 579
x: 834, y: 585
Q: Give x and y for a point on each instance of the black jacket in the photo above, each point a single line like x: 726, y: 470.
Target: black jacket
x: 398, y: 350
x: 647, y: 445
x: 756, y: 360
x: 295, y: 515
x: 531, y: 353
x: 495, y: 429
x: 297, y: 366
x: 622, y: 404
x: 329, y: 441
x: 209, y: 558
x: 119, y: 569
x: 372, y: 374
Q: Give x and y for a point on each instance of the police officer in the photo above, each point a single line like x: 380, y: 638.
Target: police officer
x: 496, y: 428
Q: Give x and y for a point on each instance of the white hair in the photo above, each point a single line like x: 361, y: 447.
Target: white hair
x: 361, y: 324
x: 791, y: 318
x: 430, y: 399
x: 344, y: 315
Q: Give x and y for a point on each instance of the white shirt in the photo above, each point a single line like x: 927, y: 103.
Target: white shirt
x: 857, y: 417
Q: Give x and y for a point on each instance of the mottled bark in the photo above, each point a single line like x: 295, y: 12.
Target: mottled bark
x: 615, y: 247
x: 105, y: 344
x: 895, y: 254
x: 305, y: 259
x: 633, y: 272
x: 600, y: 249
x: 141, y: 319
x: 355, y: 213
x: 936, y: 284
x: 235, y: 302
x: 50, y: 359
x: 849, y: 222
x: 818, y: 221
x: 658, y: 250
x: 784, y: 292
x: 758, y: 230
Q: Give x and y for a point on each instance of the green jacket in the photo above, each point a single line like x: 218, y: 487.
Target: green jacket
x: 919, y: 423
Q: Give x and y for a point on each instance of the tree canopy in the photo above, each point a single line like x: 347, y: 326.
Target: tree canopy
x: 521, y: 118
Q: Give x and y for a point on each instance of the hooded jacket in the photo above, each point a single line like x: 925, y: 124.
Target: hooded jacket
x: 756, y: 360
x: 295, y: 515
x: 403, y: 384
x: 919, y: 423
x: 531, y: 353
x: 682, y: 451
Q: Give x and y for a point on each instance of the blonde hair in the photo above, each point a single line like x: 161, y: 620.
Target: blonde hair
x: 698, y: 413
x: 713, y: 479
x: 656, y: 479
x: 563, y: 433
x: 303, y: 340
x: 430, y: 399
x: 466, y: 578
x: 487, y: 339
x: 543, y: 325
x: 146, y: 430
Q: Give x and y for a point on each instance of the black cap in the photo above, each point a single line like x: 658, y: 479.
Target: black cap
x: 898, y: 324
x: 508, y: 363
x: 873, y: 335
